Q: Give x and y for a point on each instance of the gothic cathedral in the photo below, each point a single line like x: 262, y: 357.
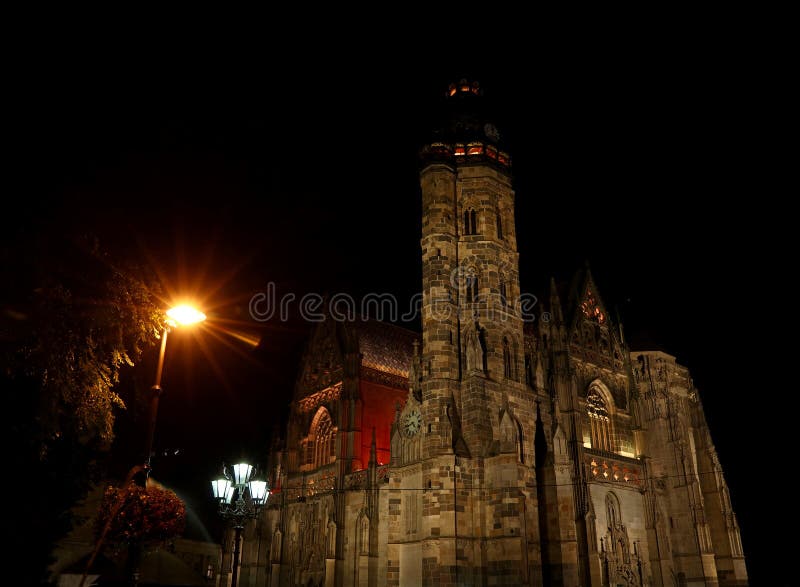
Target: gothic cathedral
x: 506, y: 444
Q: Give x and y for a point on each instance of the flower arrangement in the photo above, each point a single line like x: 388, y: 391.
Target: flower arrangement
x: 141, y: 514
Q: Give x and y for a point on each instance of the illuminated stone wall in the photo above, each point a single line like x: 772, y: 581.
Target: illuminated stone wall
x: 508, y: 449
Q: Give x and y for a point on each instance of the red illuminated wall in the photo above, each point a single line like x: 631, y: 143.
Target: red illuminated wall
x: 378, y: 410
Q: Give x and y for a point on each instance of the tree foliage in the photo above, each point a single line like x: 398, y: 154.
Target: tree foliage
x: 72, y: 321
x: 79, y: 321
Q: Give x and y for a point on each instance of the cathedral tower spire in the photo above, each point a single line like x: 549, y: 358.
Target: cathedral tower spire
x: 472, y: 328
x: 475, y: 402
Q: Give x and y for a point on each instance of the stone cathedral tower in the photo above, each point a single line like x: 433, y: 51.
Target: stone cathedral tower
x: 476, y: 473
x: 499, y: 447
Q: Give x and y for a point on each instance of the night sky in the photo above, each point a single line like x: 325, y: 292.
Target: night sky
x: 226, y: 171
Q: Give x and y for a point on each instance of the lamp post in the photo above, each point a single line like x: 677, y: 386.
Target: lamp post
x: 240, y: 497
x: 179, y: 315
x: 182, y: 315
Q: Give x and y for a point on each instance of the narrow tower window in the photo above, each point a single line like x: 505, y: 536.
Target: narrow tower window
x: 470, y: 222
x: 472, y: 289
x: 412, y: 511
x: 503, y: 293
x: 528, y: 370
x: 499, y: 225
x: 506, y: 358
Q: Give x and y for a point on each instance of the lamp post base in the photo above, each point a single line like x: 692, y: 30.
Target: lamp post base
x: 237, y: 540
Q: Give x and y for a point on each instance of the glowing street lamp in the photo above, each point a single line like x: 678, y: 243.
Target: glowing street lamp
x: 240, y: 497
x: 178, y: 316
x: 185, y: 315
x: 182, y: 315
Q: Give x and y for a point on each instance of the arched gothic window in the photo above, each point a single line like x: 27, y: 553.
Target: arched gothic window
x: 612, y: 510
x: 331, y: 536
x: 472, y: 289
x: 599, y: 421
x: 618, y: 541
x: 363, y: 534
x: 322, y: 446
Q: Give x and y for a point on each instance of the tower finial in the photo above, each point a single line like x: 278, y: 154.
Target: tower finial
x: 556, y: 312
x: 373, y: 451
x: 466, y: 132
x: 464, y: 87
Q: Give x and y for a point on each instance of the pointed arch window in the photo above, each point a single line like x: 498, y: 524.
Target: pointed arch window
x: 363, y: 534
x: 331, y: 536
x: 599, y: 421
x: 470, y: 221
x: 617, y: 535
x: 510, y: 435
x: 321, y: 448
x: 612, y: 510
x: 472, y: 289
x: 507, y: 372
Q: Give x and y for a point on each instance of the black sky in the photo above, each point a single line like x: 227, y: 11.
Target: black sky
x: 240, y: 168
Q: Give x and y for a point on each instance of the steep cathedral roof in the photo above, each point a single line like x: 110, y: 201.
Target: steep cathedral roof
x: 385, y: 347
x: 384, y: 354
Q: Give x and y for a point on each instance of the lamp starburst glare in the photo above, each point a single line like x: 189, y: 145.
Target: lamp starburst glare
x: 185, y: 314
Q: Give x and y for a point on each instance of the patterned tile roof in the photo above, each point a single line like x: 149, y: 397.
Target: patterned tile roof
x: 385, y: 347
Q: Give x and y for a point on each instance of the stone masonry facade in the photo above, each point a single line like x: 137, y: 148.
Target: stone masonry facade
x: 496, y: 447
